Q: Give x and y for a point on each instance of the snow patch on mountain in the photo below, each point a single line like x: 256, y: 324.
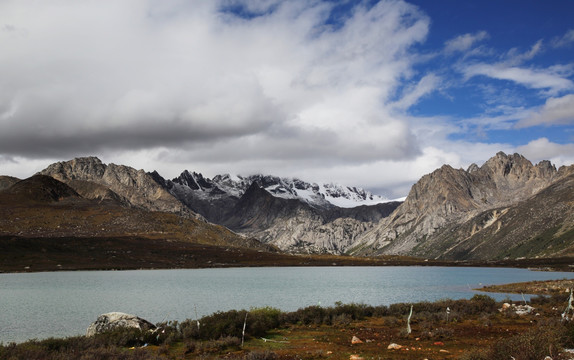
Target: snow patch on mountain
x: 325, y: 195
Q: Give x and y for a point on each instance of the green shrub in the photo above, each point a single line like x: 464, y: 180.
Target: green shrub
x: 261, y: 320
x: 222, y: 324
x: 315, y: 315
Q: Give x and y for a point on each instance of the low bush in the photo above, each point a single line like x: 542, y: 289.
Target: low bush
x: 261, y: 355
x: 261, y: 320
x: 222, y: 324
x: 534, y: 344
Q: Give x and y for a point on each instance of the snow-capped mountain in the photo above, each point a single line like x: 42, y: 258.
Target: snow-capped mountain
x: 323, y: 196
x: 289, y: 213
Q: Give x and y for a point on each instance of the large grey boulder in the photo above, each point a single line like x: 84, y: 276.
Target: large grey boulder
x: 115, y: 320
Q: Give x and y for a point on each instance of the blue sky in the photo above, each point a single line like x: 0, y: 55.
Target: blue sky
x: 364, y: 93
x: 528, y: 35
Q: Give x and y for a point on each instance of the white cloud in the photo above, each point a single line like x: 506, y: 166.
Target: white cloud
x: 556, y: 111
x: 565, y: 40
x: 543, y: 149
x: 464, y: 42
x: 425, y: 86
x: 514, y: 57
x: 189, y: 84
x: 531, y: 78
x: 91, y: 76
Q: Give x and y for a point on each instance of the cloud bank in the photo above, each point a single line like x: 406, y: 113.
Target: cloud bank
x: 292, y: 88
x: 95, y: 75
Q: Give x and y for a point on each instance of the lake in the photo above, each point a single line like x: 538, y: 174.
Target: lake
x: 60, y: 304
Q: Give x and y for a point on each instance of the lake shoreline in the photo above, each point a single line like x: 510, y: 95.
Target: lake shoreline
x: 476, y: 328
x: 20, y: 255
x: 537, y: 287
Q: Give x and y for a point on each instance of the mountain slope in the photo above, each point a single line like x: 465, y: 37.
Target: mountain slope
x: 42, y: 206
x: 449, y: 197
x: 542, y: 225
x: 7, y: 181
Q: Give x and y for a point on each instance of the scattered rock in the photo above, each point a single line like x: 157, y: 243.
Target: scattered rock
x: 356, y: 357
x: 394, y: 346
x: 523, y: 309
x: 356, y: 340
x: 115, y: 320
x: 504, y: 307
x: 518, y: 309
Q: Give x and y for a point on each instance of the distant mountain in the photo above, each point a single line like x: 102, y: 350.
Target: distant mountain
x: 430, y: 221
x: 195, y: 185
x: 294, y: 215
x: 506, y: 208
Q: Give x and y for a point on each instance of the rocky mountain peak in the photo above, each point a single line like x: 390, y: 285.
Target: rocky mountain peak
x: 448, y: 195
x: 514, y: 165
x: 138, y: 187
x: 472, y: 168
x: 78, y: 168
x: 194, y: 181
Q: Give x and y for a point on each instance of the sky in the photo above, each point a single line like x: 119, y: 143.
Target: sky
x: 372, y: 94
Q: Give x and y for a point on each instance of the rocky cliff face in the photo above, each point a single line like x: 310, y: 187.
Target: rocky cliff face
x: 449, y: 196
x: 292, y: 225
x: 132, y: 186
x: 541, y: 225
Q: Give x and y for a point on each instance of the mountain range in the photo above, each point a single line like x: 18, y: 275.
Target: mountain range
x: 506, y: 208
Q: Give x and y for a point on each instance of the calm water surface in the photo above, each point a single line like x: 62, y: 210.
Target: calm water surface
x: 59, y: 304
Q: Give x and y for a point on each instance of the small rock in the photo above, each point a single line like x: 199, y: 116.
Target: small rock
x: 446, y: 351
x: 394, y: 346
x: 523, y: 309
x: 439, y: 343
x: 356, y: 357
x: 356, y: 340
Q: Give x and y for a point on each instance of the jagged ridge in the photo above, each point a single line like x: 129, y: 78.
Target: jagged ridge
x: 449, y: 196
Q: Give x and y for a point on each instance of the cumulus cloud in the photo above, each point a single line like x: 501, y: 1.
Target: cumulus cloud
x: 94, y: 76
x: 544, y: 149
x: 556, y: 111
x: 291, y: 88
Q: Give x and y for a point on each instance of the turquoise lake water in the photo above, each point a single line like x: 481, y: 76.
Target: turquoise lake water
x: 59, y: 304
